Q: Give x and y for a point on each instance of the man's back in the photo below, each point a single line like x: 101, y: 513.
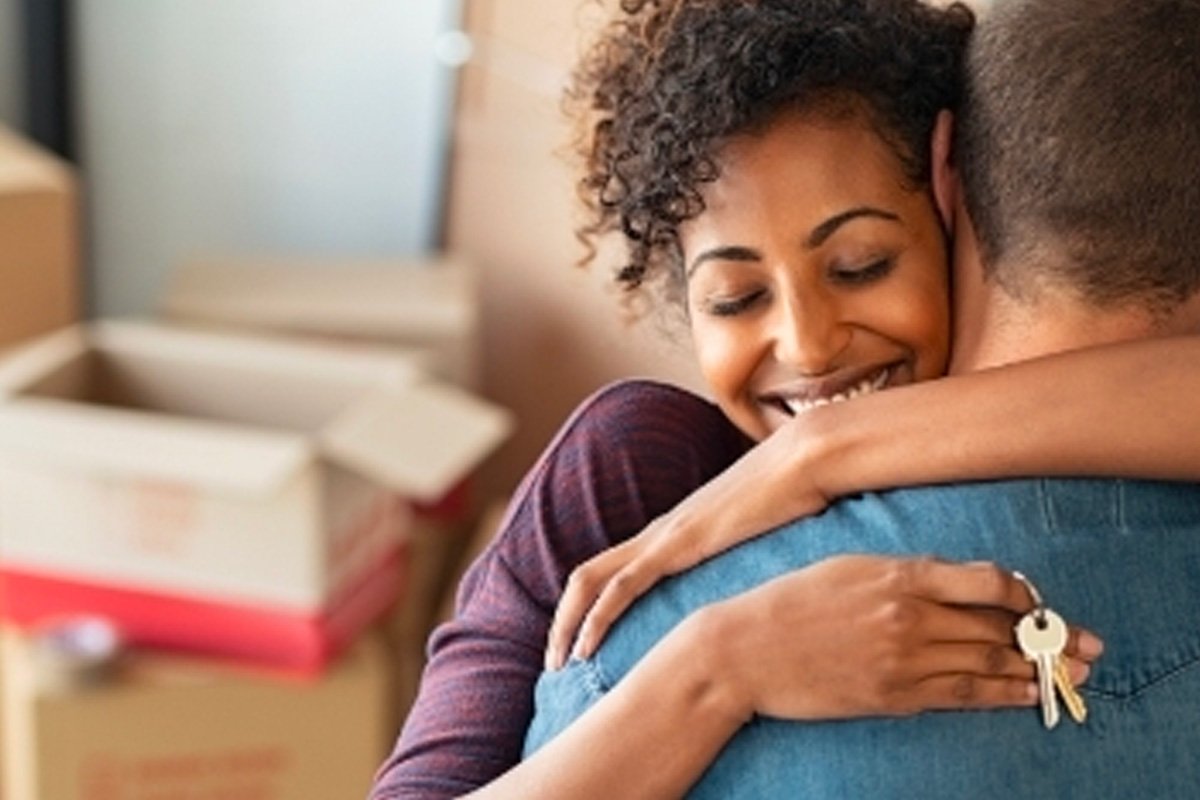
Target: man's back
x: 1121, y: 557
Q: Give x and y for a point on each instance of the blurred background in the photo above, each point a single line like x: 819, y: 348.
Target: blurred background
x: 389, y: 171
x: 335, y: 131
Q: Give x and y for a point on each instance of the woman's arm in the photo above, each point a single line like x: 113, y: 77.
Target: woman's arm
x: 1124, y: 410
x: 656, y: 732
x: 630, y: 452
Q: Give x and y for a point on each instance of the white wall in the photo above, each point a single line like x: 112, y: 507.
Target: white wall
x: 12, y: 111
x: 308, y: 127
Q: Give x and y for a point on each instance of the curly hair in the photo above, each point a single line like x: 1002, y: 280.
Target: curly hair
x: 669, y: 81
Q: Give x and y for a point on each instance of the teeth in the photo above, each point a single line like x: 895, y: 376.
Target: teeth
x: 861, y: 389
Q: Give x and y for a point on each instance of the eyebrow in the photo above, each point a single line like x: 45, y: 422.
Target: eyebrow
x: 828, y: 227
x: 815, y: 239
x: 727, y: 253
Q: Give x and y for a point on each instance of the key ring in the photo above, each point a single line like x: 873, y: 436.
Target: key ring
x: 1039, y: 607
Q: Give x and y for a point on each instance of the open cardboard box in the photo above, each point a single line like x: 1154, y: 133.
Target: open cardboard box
x: 430, y: 307
x: 163, y: 726
x: 240, y: 479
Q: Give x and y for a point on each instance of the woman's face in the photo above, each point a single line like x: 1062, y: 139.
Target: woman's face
x: 815, y: 274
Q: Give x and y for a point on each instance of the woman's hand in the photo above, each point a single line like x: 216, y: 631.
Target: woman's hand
x: 601, y: 588
x: 773, y: 483
x: 862, y: 635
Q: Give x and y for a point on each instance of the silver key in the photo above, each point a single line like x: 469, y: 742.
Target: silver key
x: 1042, y: 637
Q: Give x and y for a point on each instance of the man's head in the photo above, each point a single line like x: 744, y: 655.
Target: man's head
x: 1078, y: 146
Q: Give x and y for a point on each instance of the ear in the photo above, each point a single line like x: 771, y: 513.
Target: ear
x: 944, y: 177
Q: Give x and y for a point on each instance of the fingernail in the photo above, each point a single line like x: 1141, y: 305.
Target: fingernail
x: 1090, y: 645
x: 1032, y: 692
x: 1078, y: 671
x: 551, y: 663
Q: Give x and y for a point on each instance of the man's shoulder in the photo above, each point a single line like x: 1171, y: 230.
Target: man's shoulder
x: 1020, y: 523
x: 1049, y: 504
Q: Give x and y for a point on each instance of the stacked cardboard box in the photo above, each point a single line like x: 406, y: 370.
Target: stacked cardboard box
x: 165, y: 726
x: 39, y: 248
x: 249, y: 479
x: 225, y: 494
x: 216, y: 492
x: 427, y: 307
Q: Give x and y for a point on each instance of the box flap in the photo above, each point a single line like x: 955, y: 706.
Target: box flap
x: 420, y: 301
x: 419, y: 440
x: 156, y: 447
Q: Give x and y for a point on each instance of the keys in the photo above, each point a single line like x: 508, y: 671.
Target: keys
x: 1071, y: 697
x: 1042, y: 637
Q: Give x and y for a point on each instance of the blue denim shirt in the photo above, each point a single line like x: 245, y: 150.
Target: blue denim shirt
x: 1121, y: 557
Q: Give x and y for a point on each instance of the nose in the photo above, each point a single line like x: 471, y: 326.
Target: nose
x: 810, y: 332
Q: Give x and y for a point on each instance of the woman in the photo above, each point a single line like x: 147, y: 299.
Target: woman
x: 877, y: 73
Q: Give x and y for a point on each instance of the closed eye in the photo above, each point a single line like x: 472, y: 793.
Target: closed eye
x: 857, y: 276
x: 730, y: 307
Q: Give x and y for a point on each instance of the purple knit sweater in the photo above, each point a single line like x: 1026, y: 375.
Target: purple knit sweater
x: 628, y: 454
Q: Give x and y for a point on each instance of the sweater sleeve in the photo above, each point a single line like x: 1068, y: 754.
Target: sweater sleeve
x: 628, y: 454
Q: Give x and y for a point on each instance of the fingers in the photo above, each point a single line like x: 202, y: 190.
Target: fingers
x: 977, y: 583
x: 986, y: 660
x: 935, y: 622
x: 951, y: 624
x: 1078, y: 670
x: 996, y: 660
x: 1083, y: 644
x: 983, y: 583
x: 626, y: 586
x: 573, y: 604
x: 967, y: 691
x: 584, y: 584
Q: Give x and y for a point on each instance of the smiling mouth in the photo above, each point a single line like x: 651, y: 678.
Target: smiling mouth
x: 793, y: 406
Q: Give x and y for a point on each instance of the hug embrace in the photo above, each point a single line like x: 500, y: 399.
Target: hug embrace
x: 941, y: 278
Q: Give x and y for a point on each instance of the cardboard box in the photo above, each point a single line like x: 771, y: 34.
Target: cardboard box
x: 169, y: 727
x: 39, y: 245
x: 428, y: 307
x: 251, y: 483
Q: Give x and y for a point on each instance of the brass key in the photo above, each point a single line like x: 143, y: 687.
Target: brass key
x: 1071, y: 697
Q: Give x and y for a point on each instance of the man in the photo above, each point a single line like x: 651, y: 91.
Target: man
x: 1078, y: 149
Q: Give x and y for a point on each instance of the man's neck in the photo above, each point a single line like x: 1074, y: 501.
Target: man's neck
x: 993, y: 326
x: 1006, y: 329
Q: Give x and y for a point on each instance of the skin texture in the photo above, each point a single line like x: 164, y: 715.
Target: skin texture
x: 815, y: 267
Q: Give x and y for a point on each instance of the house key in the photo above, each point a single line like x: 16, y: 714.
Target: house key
x: 1042, y: 636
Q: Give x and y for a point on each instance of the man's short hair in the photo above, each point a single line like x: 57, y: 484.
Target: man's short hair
x: 1079, y: 147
